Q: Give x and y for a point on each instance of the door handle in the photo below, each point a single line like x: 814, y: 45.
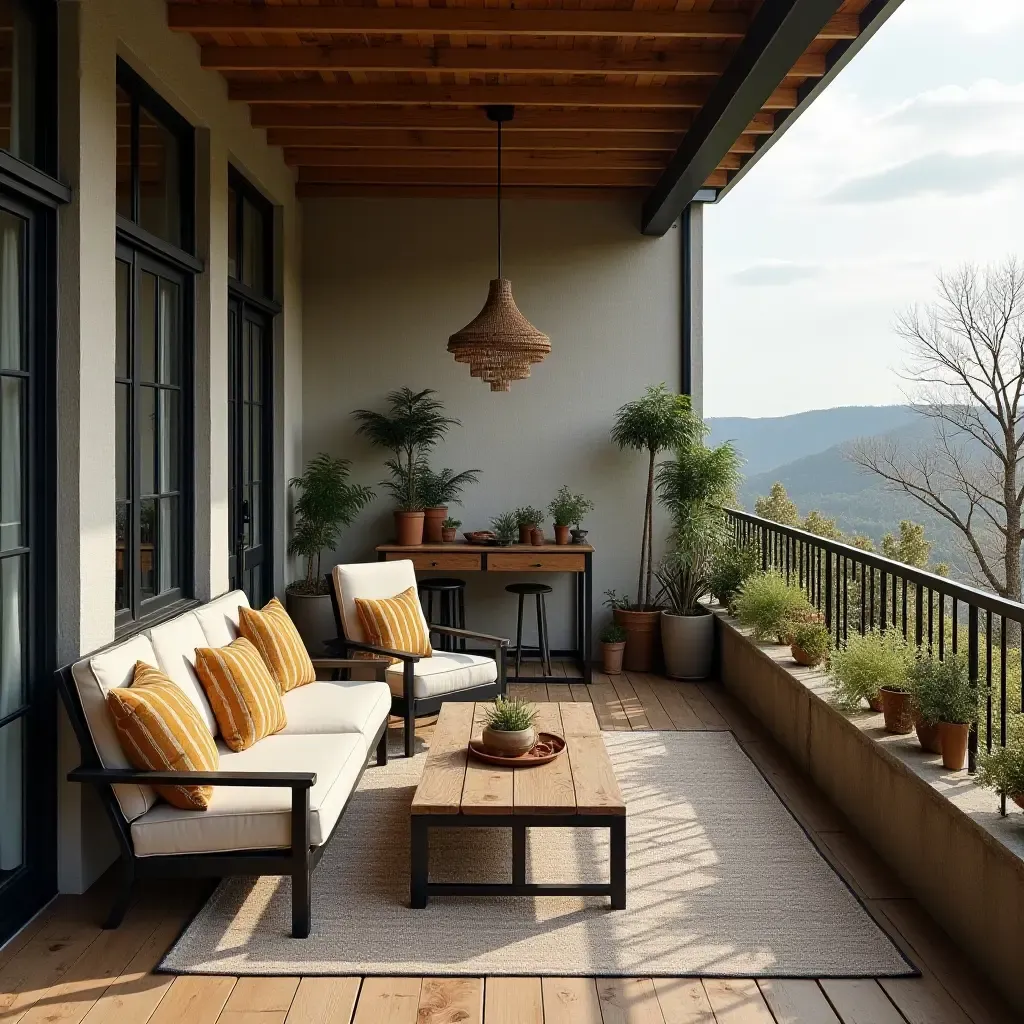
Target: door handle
x: 536, y: 565
x: 245, y: 512
x: 433, y: 564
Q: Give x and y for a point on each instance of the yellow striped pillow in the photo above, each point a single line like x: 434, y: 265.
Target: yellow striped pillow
x: 395, y: 622
x: 272, y: 632
x: 242, y: 693
x: 159, y: 729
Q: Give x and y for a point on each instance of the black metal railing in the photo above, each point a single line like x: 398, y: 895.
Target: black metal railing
x: 857, y: 590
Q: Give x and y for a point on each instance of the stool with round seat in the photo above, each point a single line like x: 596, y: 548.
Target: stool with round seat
x: 451, y: 595
x: 543, y: 648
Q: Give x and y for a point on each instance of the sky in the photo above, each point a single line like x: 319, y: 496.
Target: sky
x: 910, y: 162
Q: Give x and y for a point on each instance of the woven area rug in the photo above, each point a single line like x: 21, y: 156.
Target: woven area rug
x: 721, y: 881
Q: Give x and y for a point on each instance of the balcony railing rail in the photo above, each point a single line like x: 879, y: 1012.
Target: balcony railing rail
x: 857, y: 590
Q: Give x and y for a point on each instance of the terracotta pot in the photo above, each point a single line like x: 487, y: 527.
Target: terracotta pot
x: 928, y: 735
x: 898, y: 708
x: 801, y: 657
x: 561, y: 534
x: 875, y: 703
x: 537, y: 537
x: 611, y: 658
x: 643, y: 631
x: 409, y: 528
x: 509, y: 744
x: 525, y: 531
x: 953, y: 740
x: 448, y: 536
x: 432, y: 520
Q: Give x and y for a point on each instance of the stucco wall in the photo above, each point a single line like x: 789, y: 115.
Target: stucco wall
x: 387, y: 281
x: 93, y: 34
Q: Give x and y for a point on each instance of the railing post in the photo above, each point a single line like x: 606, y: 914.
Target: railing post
x: 972, y: 675
x: 828, y: 589
x: 764, y: 548
x: 919, y: 615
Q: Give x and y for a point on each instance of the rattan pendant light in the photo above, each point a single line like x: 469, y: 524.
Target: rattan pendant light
x: 500, y: 344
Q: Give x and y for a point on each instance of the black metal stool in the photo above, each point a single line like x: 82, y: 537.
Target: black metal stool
x: 538, y: 590
x: 451, y: 594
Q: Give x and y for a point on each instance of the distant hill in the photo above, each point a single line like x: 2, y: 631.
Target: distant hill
x: 775, y: 441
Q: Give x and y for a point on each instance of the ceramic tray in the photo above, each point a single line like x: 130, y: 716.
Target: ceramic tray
x: 548, y: 747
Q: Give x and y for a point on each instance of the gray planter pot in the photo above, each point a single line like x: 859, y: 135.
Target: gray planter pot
x: 688, y: 643
x: 313, y: 616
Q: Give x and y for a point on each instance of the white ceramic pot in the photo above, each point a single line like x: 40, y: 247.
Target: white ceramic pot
x: 313, y: 615
x: 688, y: 643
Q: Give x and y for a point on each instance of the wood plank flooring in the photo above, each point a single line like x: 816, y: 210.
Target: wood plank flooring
x: 63, y: 969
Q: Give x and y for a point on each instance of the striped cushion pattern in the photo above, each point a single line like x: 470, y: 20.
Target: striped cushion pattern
x: 272, y: 632
x: 159, y: 729
x: 395, y: 622
x: 245, y: 699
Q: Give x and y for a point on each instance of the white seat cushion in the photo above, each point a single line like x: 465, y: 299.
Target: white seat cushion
x: 245, y: 818
x: 175, y: 644
x: 338, y: 707
x: 219, y: 618
x: 444, y: 673
x: 94, y: 677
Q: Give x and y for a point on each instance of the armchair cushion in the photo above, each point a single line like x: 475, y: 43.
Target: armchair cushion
x: 369, y: 579
x: 247, y: 818
x: 160, y: 730
x: 395, y: 622
x: 272, y: 632
x: 445, y: 673
x: 337, y: 707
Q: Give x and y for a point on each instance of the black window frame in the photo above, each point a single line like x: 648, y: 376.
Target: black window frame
x: 147, y: 252
x: 245, y: 191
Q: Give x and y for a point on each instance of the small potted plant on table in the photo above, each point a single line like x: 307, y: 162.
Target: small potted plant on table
x: 506, y: 528
x: 449, y: 530
x: 438, y: 491
x: 509, y: 728
x: 528, y: 519
x: 565, y: 509
x: 613, y: 643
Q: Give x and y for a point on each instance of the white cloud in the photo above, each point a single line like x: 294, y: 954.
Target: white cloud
x: 774, y: 273
x: 980, y: 17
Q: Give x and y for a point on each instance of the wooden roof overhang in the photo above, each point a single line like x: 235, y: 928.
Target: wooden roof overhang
x: 668, y: 99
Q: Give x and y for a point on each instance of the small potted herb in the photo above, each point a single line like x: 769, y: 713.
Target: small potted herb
x: 810, y: 643
x: 529, y: 518
x: 613, y: 643
x: 509, y: 729
x: 506, y: 528
x: 449, y: 530
x: 566, y: 509
x: 865, y: 664
x: 925, y: 682
x: 770, y: 605
x: 956, y: 707
x: 1002, y: 768
x: 437, y: 492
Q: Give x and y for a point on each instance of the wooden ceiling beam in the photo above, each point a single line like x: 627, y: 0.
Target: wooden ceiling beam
x: 387, y: 94
x: 516, y: 159
x: 564, y: 193
x: 479, y: 60
x: 478, y: 176
x: 415, y: 138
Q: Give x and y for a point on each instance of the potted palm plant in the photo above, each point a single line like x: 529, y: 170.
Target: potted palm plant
x: 653, y: 424
x: 327, y: 502
x: 693, y: 487
x: 413, y: 425
x: 529, y: 519
x: 437, y: 492
x: 449, y: 529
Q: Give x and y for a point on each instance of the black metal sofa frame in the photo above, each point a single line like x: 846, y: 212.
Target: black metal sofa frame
x: 296, y: 861
x: 407, y: 706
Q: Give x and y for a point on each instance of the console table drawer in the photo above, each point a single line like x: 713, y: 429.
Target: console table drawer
x: 448, y: 562
x: 517, y: 562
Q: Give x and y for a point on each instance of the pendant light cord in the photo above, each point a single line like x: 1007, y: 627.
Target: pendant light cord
x: 499, y: 200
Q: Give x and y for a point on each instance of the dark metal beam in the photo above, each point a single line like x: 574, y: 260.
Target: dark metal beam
x: 778, y: 35
x: 872, y: 18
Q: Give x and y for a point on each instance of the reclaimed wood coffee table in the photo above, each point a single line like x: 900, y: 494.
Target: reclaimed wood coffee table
x: 576, y: 790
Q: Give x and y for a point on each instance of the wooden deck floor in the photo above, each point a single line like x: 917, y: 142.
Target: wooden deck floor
x: 63, y: 969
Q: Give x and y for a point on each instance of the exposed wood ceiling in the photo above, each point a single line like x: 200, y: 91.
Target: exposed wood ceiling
x: 385, y: 99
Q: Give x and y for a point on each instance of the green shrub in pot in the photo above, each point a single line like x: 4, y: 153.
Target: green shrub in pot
x: 1002, y: 768
x: 810, y: 643
x: 953, y: 701
x: 733, y: 565
x: 769, y: 605
x: 529, y: 518
x: 864, y: 664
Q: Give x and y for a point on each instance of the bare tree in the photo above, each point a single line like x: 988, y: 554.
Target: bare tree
x: 965, y: 370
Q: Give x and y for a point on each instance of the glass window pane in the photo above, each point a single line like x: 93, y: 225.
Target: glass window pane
x: 256, y: 355
x: 12, y: 808
x: 159, y: 179
x: 167, y: 532
x: 18, y: 81
x: 122, y: 510
x: 170, y: 433
x: 146, y: 340
x: 147, y: 547
x: 12, y: 633
x: 121, y: 433
x: 254, y: 245
x: 123, y: 174
x: 232, y: 233
x: 12, y: 412
x: 147, y: 441
x: 12, y: 271
x: 170, y: 333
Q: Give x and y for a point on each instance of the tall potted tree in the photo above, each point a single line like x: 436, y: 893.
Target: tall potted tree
x: 413, y: 425
x: 653, y: 424
x: 693, y: 487
x: 327, y: 502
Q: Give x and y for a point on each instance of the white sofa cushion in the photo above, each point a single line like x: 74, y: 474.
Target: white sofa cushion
x: 175, y: 644
x: 94, y: 677
x: 336, y: 707
x: 444, y: 673
x: 219, y: 618
x: 245, y: 818
x: 373, y: 580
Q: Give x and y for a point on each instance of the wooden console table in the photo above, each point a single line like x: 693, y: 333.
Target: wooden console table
x: 459, y: 556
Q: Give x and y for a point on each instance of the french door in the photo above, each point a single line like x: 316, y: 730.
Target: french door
x: 250, y: 419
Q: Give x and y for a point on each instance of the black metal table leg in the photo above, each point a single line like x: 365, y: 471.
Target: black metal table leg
x: 588, y: 616
x: 419, y: 857
x: 519, y: 637
x: 618, y: 864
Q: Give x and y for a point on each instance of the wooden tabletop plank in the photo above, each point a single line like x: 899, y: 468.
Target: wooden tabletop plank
x: 578, y: 719
x: 488, y: 787
x: 597, y: 789
x: 463, y: 546
x: 546, y: 788
x: 444, y: 774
